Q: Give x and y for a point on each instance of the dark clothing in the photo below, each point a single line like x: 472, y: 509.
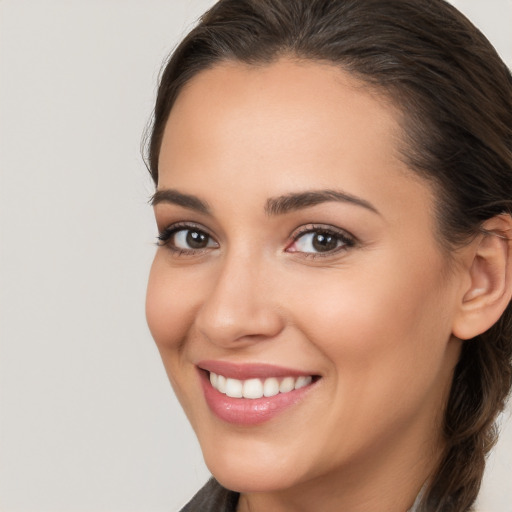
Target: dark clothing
x: 213, y: 498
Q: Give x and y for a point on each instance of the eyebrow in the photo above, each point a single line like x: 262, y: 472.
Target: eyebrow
x: 297, y: 201
x: 178, y: 198
x: 274, y: 206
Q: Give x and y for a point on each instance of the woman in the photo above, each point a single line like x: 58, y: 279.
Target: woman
x: 330, y: 295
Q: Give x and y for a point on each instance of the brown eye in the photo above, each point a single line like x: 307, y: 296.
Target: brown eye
x: 195, y: 239
x: 186, y: 239
x: 318, y: 241
x: 191, y: 239
x: 323, y: 241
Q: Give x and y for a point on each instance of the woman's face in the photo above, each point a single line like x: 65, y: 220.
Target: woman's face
x: 297, y: 250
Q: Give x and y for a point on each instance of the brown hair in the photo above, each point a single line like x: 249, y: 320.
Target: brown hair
x: 456, y: 97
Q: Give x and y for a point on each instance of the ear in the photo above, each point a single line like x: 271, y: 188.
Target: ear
x: 489, y: 272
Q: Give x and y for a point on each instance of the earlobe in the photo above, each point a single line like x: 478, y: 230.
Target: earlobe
x: 490, y: 278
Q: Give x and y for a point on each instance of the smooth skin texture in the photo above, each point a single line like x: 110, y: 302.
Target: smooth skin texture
x: 373, y: 315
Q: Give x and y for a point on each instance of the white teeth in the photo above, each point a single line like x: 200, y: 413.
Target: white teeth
x: 303, y: 381
x: 270, y: 387
x: 221, y: 383
x: 256, y: 388
x: 287, y: 384
x: 234, y: 388
x: 253, y: 388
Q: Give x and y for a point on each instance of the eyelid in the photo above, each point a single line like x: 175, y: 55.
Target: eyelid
x: 349, y: 240
x: 165, y: 234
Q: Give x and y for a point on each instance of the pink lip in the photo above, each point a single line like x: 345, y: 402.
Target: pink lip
x: 249, y: 371
x: 244, y: 411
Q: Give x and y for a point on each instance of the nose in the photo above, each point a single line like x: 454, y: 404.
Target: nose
x: 241, y: 307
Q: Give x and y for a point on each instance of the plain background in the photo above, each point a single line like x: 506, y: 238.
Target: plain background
x: 88, y: 422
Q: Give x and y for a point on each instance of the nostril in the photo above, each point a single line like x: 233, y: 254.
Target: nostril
x: 229, y: 328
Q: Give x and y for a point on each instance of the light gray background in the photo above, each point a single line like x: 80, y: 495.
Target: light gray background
x: 88, y: 422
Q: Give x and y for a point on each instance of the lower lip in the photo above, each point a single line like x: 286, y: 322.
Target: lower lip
x: 247, y: 411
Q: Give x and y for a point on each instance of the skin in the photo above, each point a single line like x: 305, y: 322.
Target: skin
x: 374, y: 319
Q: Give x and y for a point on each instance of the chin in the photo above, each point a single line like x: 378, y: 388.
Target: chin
x: 247, y: 472
x: 252, y: 480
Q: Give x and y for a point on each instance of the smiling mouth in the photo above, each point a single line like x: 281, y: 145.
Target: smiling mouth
x: 252, y: 394
x: 258, y: 388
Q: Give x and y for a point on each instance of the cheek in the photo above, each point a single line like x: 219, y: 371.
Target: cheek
x: 379, y: 326
x: 171, y: 303
x: 170, y: 307
x: 387, y: 355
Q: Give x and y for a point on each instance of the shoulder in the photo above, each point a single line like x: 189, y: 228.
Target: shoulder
x: 212, y: 498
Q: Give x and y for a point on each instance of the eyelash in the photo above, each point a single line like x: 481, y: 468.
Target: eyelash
x: 347, y: 240
x: 166, y: 235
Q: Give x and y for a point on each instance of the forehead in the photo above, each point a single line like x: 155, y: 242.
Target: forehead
x: 290, y: 123
x: 289, y: 98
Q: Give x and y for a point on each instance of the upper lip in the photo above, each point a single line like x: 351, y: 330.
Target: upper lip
x: 244, y: 371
